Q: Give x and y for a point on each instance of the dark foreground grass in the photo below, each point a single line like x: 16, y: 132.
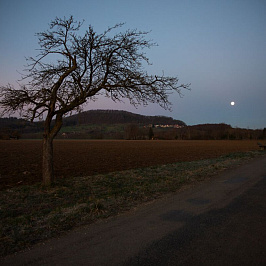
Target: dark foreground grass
x: 30, y: 214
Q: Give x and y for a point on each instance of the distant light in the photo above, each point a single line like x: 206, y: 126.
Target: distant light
x: 232, y: 103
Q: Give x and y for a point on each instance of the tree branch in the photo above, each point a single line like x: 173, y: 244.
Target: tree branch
x: 72, y: 68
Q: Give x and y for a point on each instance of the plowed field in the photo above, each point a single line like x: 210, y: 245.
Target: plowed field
x: 20, y: 161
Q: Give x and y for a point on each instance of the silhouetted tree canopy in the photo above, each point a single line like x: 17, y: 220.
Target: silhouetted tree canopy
x: 74, y: 66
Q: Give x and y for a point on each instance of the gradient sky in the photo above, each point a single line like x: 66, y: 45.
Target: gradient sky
x: 219, y: 46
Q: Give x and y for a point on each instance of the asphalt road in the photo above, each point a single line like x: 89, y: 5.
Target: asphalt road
x: 217, y: 222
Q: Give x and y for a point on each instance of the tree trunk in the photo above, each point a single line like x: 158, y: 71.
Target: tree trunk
x: 47, y: 157
x: 47, y: 161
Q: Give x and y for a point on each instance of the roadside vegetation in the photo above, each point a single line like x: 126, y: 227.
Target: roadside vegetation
x: 31, y: 214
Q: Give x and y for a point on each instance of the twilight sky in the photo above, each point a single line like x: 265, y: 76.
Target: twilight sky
x: 219, y: 46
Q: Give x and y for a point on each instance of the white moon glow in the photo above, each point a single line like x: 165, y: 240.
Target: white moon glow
x: 232, y: 103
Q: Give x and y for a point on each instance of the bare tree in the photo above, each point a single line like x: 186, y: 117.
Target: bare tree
x: 70, y: 69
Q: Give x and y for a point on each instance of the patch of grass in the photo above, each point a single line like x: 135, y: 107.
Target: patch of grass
x: 30, y: 214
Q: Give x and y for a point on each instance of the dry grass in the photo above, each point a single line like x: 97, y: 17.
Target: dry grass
x: 30, y: 214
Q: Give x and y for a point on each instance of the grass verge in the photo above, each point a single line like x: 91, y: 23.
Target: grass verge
x: 31, y: 214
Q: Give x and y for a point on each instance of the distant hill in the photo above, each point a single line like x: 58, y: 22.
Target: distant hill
x: 17, y: 124
x: 98, y: 117
x: 218, y: 131
x: 13, y: 122
x: 208, y: 127
x: 113, y: 124
x: 14, y: 127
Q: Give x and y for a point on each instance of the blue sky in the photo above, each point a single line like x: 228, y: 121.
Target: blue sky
x: 217, y: 46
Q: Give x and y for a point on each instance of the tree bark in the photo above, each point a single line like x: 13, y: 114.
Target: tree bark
x: 47, y: 162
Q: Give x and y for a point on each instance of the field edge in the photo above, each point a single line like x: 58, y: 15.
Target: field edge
x: 31, y: 214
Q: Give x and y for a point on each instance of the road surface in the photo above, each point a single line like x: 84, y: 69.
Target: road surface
x: 221, y: 221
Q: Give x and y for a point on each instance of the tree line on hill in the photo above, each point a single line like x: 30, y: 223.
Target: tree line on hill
x: 211, y: 132
x: 15, y: 128
x: 117, y: 117
x: 111, y: 124
x: 198, y: 132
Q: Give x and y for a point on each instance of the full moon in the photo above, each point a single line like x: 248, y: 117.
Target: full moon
x: 232, y: 103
